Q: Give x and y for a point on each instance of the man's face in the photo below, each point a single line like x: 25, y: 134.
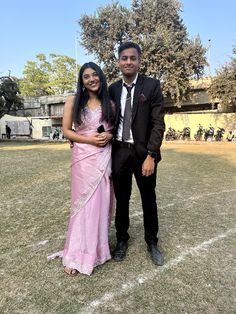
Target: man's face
x: 129, y: 62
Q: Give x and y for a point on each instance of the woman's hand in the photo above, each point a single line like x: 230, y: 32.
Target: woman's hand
x: 100, y: 139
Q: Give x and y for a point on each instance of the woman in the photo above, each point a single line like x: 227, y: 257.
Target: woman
x: 91, y: 191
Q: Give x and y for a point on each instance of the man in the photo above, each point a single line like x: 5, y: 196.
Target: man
x: 8, y: 132
x: 138, y: 136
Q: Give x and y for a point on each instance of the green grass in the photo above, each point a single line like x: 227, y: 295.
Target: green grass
x: 196, y: 196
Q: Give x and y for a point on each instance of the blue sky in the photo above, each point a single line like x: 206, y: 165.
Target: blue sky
x: 48, y: 26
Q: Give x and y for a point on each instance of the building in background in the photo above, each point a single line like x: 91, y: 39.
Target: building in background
x: 41, y: 117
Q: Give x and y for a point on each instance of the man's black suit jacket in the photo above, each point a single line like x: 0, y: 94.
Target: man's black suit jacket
x: 147, y: 114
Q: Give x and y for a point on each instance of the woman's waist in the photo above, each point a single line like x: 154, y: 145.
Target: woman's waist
x: 89, y: 149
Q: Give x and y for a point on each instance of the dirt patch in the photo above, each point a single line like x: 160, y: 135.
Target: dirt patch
x: 226, y: 150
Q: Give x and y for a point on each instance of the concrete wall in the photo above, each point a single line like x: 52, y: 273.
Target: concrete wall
x: 180, y: 120
x: 38, y: 124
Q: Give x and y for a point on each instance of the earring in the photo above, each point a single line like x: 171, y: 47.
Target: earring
x: 83, y: 88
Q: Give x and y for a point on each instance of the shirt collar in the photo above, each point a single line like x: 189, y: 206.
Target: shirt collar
x: 134, y: 81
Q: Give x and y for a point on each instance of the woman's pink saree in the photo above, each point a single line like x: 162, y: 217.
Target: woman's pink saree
x: 86, y: 243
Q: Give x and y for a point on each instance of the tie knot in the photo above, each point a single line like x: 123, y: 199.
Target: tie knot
x: 129, y: 88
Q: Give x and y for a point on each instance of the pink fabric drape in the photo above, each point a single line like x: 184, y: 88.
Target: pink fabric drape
x: 92, y: 199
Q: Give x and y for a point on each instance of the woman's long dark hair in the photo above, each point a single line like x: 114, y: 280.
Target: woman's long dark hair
x: 82, y: 96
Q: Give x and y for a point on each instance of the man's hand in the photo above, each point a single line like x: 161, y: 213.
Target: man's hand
x: 71, y: 144
x: 148, y: 166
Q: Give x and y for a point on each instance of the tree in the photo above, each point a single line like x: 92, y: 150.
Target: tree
x: 9, y: 95
x: 55, y: 75
x: 156, y: 26
x: 63, y: 73
x: 36, y: 80
x: 103, y: 32
x: 223, y: 86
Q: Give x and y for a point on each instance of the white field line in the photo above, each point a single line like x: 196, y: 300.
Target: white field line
x: 191, y: 198
x: 39, y: 243
x: 142, y: 278
x: 209, y: 194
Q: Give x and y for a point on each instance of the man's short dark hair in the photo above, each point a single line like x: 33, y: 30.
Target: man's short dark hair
x: 127, y: 45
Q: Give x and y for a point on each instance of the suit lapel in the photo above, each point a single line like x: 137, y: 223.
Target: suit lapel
x: 118, y: 91
x: 137, y: 92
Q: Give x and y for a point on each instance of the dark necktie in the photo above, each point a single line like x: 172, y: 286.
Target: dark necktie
x: 127, y: 114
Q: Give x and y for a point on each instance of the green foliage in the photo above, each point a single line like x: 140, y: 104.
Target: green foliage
x: 63, y: 73
x: 223, y: 86
x: 104, y: 31
x: 168, y: 53
x: 9, y: 95
x: 55, y: 75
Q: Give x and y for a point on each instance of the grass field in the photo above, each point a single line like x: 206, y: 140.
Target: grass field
x: 197, y: 212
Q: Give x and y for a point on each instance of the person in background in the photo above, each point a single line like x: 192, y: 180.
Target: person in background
x: 8, y: 132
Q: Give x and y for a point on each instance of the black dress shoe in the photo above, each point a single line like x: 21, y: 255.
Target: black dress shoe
x: 120, y: 251
x: 156, y: 255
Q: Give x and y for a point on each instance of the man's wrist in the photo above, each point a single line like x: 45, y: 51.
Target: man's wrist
x: 152, y: 154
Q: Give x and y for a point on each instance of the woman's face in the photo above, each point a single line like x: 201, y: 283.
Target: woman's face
x: 91, y: 80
